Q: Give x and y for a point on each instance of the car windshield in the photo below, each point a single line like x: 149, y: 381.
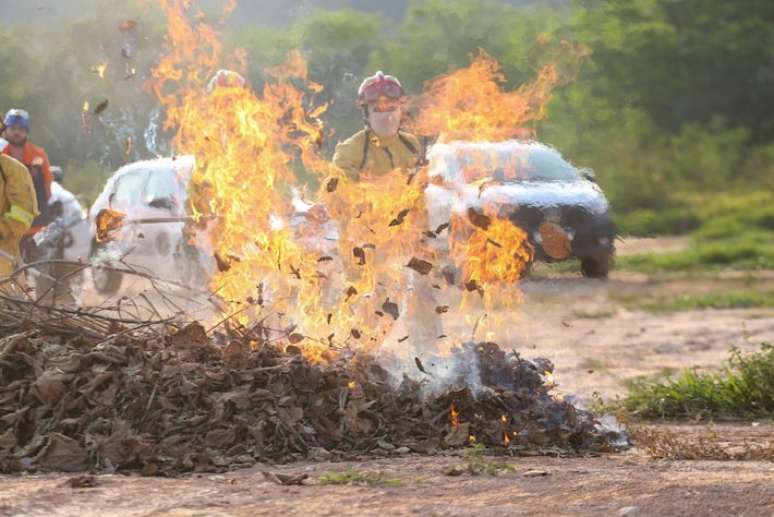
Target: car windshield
x: 548, y: 166
x: 533, y: 165
x: 164, y: 184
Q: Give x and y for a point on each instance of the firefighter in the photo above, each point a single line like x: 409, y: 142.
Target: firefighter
x: 17, y: 130
x: 18, y: 208
x: 381, y: 148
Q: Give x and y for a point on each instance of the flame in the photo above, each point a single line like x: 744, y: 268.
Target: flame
x: 472, y: 103
x: 351, y: 385
x: 85, y: 106
x: 100, y: 69
x: 248, y: 145
x: 454, y: 416
x: 107, y: 221
x: 506, y: 439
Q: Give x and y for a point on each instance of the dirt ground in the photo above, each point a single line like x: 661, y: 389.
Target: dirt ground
x: 599, y: 338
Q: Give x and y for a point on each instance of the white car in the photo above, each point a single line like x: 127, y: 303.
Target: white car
x: 560, y: 207
x: 151, y: 197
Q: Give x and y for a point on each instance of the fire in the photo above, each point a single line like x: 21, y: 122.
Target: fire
x: 100, y: 70
x: 472, y: 104
x: 107, y: 221
x: 351, y: 385
x: 454, y: 416
x: 345, y: 292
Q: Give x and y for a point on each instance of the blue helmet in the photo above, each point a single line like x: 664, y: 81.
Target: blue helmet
x: 17, y: 117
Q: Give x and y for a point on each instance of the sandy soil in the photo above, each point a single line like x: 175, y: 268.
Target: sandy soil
x: 625, y: 484
x: 598, y: 339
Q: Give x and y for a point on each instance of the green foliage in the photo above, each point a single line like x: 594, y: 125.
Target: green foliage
x: 717, y: 300
x: 669, y: 108
x: 735, y: 231
x: 744, y: 388
x: 86, y: 179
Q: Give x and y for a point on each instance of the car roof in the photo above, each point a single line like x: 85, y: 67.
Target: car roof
x: 445, y: 157
x: 183, y: 165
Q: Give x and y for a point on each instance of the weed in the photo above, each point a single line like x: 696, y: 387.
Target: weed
x: 354, y: 477
x: 743, y: 388
x: 477, y: 463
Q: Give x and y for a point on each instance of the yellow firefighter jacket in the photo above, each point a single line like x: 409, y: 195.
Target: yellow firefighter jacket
x: 18, y: 207
x: 365, y: 153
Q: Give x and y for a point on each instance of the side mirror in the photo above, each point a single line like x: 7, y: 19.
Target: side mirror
x: 588, y: 174
x: 163, y: 203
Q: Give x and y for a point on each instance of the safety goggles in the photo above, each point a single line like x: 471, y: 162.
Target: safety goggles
x: 381, y: 88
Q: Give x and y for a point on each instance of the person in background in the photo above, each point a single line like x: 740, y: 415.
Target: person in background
x: 61, y: 283
x: 18, y: 208
x: 16, y: 131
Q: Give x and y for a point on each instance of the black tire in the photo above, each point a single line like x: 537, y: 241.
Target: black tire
x: 597, y: 266
x: 105, y: 280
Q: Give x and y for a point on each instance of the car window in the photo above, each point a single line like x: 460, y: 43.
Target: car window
x: 163, y: 185
x: 532, y: 165
x: 549, y: 166
x: 127, y: 190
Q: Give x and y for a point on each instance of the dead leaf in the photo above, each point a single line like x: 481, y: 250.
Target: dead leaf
x: 479, y: 219
x: 62, y: 453
x: 102, y: 106
x: 422, y: 267
x: 222, y: 263
x: 355, y: 333
x: 295, y: 338
x: 191, y: 336
x: 324, y: 258
x: 391, y: 308
x: 359, y: 254
x: 127, y: 25
x: 350, y: 292
x: 442, y: 309
x: 332, y: 184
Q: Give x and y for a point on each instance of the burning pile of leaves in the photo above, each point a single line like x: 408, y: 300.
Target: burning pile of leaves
x: 170, y: 398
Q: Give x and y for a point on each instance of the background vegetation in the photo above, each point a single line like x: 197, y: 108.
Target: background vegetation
x: 672, y: 109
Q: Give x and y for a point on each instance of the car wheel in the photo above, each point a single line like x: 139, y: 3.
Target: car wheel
x: 597, y: 266
x: 106, y: 281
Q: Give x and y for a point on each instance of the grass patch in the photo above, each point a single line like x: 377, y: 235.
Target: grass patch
x: 476, y: 464
x: 718, y: 300
x: 354, y: 477
x: 743, y: 388
x: 728, y: 231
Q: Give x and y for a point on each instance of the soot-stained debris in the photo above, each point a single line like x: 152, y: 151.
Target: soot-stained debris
x: 169, y: 402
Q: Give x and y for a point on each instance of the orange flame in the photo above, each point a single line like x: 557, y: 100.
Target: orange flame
x: 248, y: 146
x: 454, y: 416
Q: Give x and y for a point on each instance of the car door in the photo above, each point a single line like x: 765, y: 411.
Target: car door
x: 126, y: 198
x: 162, y: 198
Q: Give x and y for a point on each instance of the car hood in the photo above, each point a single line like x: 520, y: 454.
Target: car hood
x: 540, y: 194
